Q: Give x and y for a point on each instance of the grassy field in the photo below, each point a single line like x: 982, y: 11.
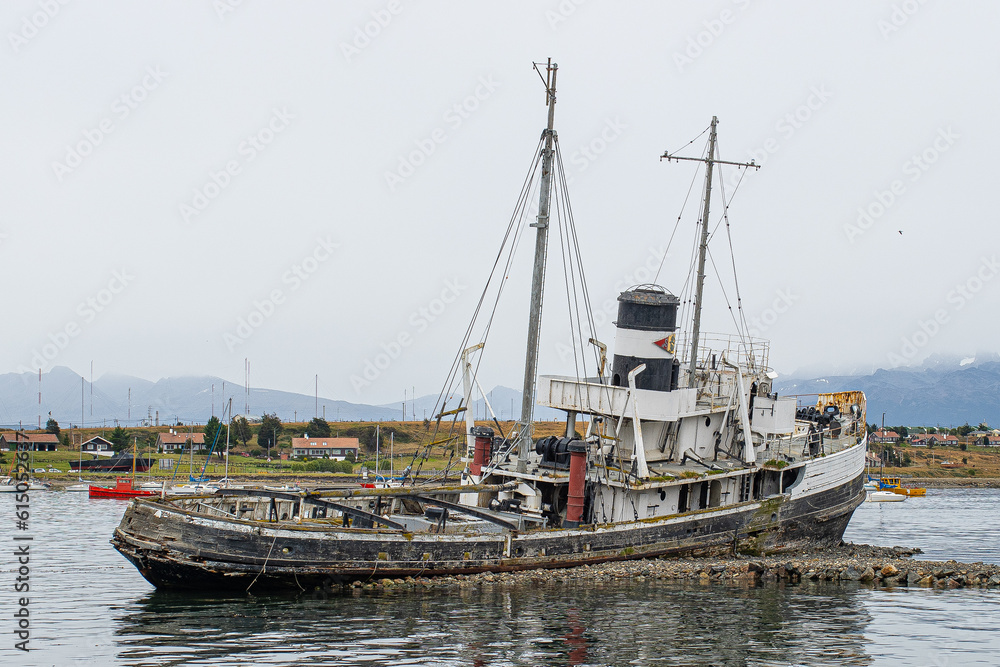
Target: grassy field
x: 410, y: 443
x: 429, y: 449
x: 926, y: 462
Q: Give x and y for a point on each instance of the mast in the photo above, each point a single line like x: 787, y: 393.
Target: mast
x: 538, y: 272
x: 710, y: 161
x: 702, y: 252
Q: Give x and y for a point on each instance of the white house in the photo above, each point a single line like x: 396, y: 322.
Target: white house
x: 333, y: 448
x: 97, y: 444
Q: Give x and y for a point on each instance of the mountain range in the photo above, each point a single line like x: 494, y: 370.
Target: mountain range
x: 941, y: 392
x: 68, y: 397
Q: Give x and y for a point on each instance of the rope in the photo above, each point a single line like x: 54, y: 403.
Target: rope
x: 264, y: 566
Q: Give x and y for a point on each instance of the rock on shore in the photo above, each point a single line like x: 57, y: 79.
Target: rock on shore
x: 873, y: 566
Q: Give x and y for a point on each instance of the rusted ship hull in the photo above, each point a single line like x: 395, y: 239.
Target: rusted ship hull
x: 176, y: 549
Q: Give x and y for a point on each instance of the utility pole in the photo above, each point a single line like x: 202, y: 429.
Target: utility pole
x: 541, y: 226
x: 710, y: 161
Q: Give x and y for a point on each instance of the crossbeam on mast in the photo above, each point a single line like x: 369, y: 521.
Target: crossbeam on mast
x: 710, y: 161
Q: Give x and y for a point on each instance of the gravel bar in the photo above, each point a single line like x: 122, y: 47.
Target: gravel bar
x: 873, y: 566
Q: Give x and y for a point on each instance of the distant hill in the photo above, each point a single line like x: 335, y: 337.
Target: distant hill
x: 506, y: 404
x: 190, y: 400
x: 186, y: 399
x: 941, y: 392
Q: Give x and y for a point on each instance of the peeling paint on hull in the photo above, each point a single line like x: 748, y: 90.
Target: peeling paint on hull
x: 176, y: 549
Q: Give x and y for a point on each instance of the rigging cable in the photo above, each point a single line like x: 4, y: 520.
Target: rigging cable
x: 512, y: 226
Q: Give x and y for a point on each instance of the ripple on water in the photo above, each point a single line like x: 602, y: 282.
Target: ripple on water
x: 946, y: 523
x: 91, y: 607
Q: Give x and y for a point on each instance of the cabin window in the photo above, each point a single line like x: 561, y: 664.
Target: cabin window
x: 715, y: 493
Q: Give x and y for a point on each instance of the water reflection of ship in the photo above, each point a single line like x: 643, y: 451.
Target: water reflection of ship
x: 571, y: 623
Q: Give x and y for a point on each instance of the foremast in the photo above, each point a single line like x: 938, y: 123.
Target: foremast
x: 710, y: 161
x: 538, y: 272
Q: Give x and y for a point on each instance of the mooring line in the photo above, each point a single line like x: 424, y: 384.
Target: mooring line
x: 264, y: 566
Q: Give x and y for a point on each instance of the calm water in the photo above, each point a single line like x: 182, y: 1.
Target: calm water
x: 89, y: 606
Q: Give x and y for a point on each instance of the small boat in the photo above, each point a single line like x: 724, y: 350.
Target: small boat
x: 194, y: 489
x: 895, y: 485
x: 9, y: 485
x: 884, y: 497
x: 124, y: 488
x: 120, y: 463
x: 78, y: 488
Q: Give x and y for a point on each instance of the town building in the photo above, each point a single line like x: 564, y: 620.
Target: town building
x: 333, y: 448
x: 30, y: 442
x: 98, y: 444
x: 179, y: 442
x: 885, y: 437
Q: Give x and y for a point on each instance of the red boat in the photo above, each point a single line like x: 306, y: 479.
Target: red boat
x: 123, y: 489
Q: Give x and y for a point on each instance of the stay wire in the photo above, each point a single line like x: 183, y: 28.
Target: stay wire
x: 512, y: 226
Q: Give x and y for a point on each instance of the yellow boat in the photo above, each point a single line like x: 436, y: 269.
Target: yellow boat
x: 894, y: 484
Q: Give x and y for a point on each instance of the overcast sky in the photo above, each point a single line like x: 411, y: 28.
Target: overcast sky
x: 190, y: 184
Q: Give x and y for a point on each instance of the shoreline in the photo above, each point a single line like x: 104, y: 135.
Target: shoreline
x: 61, y: 482
x: 876, y: 567
x: 953, y: 482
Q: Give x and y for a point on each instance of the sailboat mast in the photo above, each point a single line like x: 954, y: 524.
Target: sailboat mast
x: 538, y: 272
x: 702, y: 252
x: 710, y: 161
